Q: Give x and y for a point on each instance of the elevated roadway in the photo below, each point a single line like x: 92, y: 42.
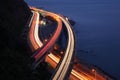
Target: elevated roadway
x: 77, y: 73
x: 33, y: 38
x: 52, y: 40
x: 35, y: 42
x: 65, y: 63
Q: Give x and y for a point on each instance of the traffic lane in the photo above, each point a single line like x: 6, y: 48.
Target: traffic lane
x: 75, y: 73
x: 31, y: 39
x: 37, y: 39
x: 65, y: 64
x: 52, y: 40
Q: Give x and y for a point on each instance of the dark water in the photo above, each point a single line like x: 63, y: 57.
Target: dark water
x: 97, y: 29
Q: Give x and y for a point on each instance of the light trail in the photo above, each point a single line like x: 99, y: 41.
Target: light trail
x: 73, y: 72
x: 37, y: 39
x: 65, y: 63
x: 76, y: 74
x: 63, y: 68
x: 51, y: 41
x: 31, y: 39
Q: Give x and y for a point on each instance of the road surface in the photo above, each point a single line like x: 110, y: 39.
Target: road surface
x: 33, y: 38
x: 63, y: 68
x: 77, y: 73
x: 65, y: 63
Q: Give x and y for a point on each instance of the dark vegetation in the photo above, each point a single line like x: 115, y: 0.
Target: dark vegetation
x: 72, y: 22
x: 15, y: 63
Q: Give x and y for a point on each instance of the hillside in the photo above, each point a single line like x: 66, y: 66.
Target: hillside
x: 13, y: 54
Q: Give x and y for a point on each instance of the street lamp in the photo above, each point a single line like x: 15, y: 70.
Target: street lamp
x: 93, y: 70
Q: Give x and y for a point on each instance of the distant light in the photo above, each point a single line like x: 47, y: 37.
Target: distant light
x: 61, y: 52
x: 67, y: 18
x: 55, y: 46
x: 93, y: 70
x: 45, y: 40
x: 43, y: 22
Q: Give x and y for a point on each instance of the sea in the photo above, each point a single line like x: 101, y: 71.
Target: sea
x: 97, y: 29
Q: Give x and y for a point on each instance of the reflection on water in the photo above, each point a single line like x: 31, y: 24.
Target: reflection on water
x: 97, y: 29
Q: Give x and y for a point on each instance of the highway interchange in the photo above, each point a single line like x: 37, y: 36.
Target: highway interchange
x: 63, y: 65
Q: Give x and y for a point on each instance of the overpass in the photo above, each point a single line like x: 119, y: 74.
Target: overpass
x: 62, y: 66
x: 66, y: 61
x: 77, y: 73
x: 34, y: 41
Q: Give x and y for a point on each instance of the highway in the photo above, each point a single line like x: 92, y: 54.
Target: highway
x: 38, y: 41
x: 33, y: 38
x: 53, y: 60
x: 62, y: 70
x: 66, y: 61
x: 62, y: 66
x: 77, y: 73
x: 52, y: 40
